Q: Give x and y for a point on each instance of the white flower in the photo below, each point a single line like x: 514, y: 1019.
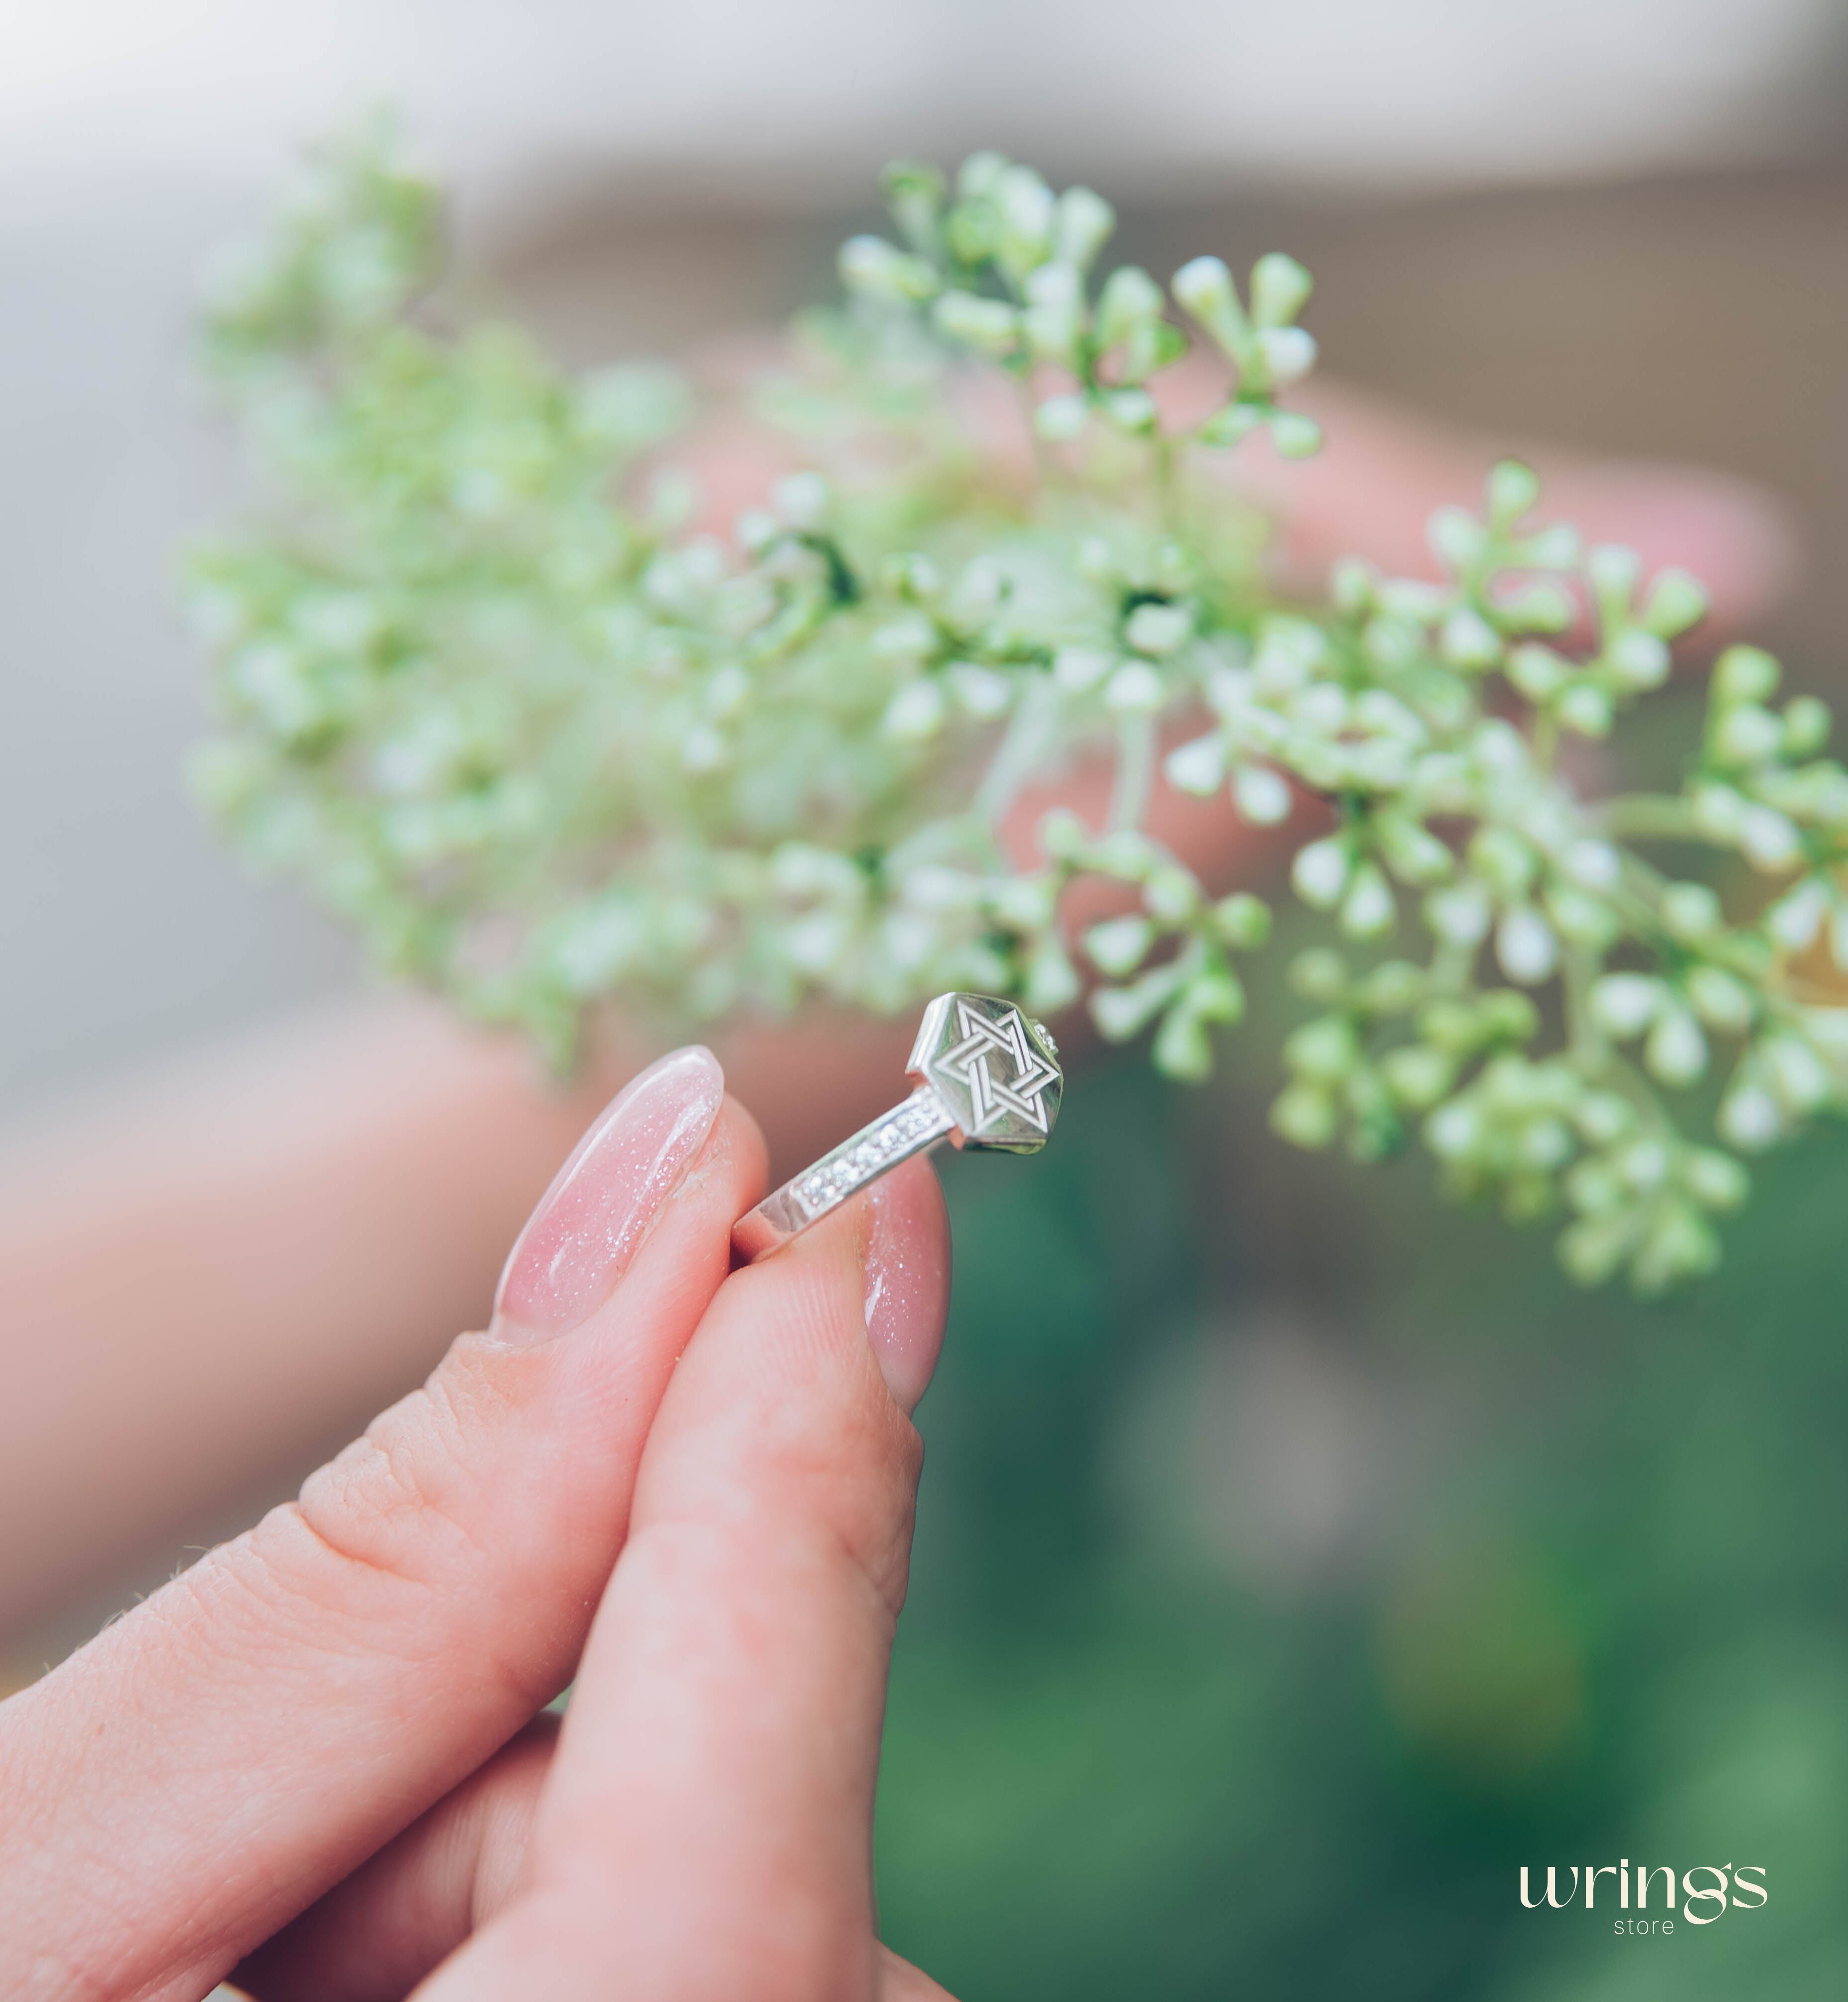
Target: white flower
x: 916, y: 711
x: 1750, y: 1117
x: 1262, y: 797
x: 1197, y: 767
x: 1461, y: 916
x: 1769, y: 840
x: 1676, y: 1050
x: 1526, y: 948
x: 1077, y: 669
x: 1624, y: 1004
x: 1795, y: 919
x: 1135, y: 689
x: 1367, y: 908
x: 1320, y: 872
x: 1158, y: 628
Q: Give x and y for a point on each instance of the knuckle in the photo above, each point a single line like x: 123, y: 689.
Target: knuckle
x: 398, y: 1500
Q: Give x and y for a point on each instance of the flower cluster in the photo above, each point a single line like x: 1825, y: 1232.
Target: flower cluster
x: 489, y: 687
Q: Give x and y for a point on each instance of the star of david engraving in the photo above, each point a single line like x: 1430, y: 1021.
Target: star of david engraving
x: 1004, y: 1074
x: 995, y: 1073
x: 987, y: 1077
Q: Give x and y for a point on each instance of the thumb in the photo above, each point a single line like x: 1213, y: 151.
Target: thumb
x: 707, y: 1828
x: 211, y: 1763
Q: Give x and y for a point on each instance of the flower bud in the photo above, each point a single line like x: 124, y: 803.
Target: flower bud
x: 1204, y: 287
x: 982, y: 693
x: 1676, y: 601
x: 1690, y: 911
x: 1280, y: 289
x: 1263, y: 798
x: 1456, y: 538
x: 1131, y: 410
x: 1797, y: 1073
x: 1130, y: 299
x: 1503, y: 861
x: 1806, y: 726
x: 1242, y: 920
x: 1721, y: 1001
x: 1585, y: 708
x: 1083, y: 226
x: 1320, y: 872
x: 1748, y: 733
x: 1469, y: 640
x: 801, y: 499
x: 1460, y: 916
x: 1793, y: 921
x: 1639, y: 659
x: 1676, y: 1050
x: 1745, y: 674
x: 1513, y: 488
x: 1526, y: 948
x: 1749, y: 1117
x: 988, y: 326
x: 1768, y: 839
x: 1158, y: 628
x: 1077, y: 669
x: 1624, y: 1004
x: 1052, y: 981
x: 1537, y: 672
x: 1715, y: 1180
x: 1305, y: 1116
x: 1324, y: 1050
x: 1182, y: 1049
x: 1197, y: 767
x: 1367, y: 909
x: 1289, y: 352
x: 1135, y: 689
x: 878, y: 269
x: 1118, y: 946
x: 915, y: 712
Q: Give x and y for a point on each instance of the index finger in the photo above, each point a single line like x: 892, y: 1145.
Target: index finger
x: 707, y: 1827
x: 212, y: 1763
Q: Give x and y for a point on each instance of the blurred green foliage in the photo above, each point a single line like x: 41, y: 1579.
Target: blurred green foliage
x: 1582, y: 1598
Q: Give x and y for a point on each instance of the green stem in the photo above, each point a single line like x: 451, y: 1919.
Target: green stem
x: 1022, y: 745
x: 1663, y: 816
x: 1136, y: 772
x: 1545, y: 740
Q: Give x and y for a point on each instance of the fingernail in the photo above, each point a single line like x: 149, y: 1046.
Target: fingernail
x: 579, y: 1241
x: 907, y: 1278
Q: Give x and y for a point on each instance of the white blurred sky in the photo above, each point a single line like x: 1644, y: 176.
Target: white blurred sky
x: 795, y: 96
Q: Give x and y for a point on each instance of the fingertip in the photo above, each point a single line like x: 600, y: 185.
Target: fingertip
x: 907, y: 1267
x: 737, y: 1131
x: 1741, y: 541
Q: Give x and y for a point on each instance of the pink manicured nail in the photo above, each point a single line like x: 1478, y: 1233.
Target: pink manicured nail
x: 907, y: 1278
x: 579, y: 1241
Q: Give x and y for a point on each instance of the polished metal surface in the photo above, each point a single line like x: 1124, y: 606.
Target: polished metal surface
x: 987, y: 1076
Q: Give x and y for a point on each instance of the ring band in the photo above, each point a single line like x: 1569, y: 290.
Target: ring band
x: 987, y: 1077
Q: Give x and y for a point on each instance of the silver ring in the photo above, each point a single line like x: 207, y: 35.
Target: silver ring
x: 987, y: 1076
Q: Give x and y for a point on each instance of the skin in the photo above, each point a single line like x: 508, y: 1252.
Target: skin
x: 319, y: 1754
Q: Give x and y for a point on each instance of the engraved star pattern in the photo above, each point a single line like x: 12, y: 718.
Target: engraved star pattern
x: 1003, y: 1071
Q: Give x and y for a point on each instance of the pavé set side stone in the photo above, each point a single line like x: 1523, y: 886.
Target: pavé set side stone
x: 987, y: 1076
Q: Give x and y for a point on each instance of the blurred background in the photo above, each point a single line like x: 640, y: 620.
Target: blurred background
x: 1315, y: 1558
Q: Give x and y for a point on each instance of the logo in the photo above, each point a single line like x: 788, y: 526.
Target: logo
x: 1708, y: 1892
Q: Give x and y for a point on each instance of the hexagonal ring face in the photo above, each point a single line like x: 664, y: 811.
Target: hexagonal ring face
x: 994, y: 1069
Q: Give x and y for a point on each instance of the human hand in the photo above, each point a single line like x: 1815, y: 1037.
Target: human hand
x: 317, y: 1758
